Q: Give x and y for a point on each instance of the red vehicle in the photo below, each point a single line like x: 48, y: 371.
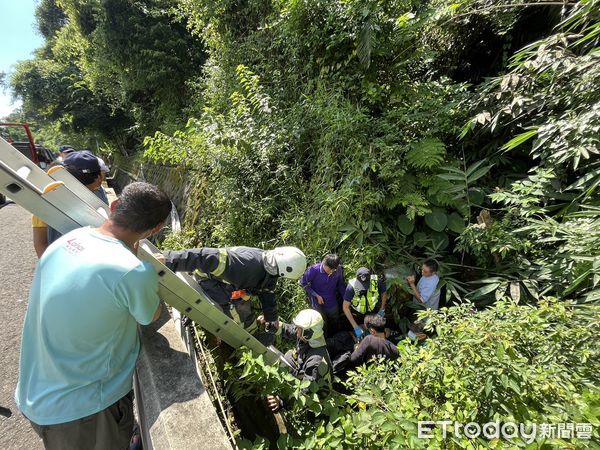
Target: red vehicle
x: 39, y: 154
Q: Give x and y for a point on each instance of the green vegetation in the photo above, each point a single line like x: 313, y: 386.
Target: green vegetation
x: 386, y: 131
x: 509, y: 363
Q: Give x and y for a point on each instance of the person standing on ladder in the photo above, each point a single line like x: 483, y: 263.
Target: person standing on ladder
x: 362, y: 296
x: 223, y: 271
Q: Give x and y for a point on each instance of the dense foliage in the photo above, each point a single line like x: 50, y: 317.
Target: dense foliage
x: 510, y: 363
x: 386, y: 131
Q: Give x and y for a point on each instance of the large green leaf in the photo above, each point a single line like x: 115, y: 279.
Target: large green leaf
x: 476, y: 175
x: 405, y: 225
x: 476, y: 197
x: 436, y: 220
x: 440, y: 240
x: 456, y: 223
x: 519, y: 139
x: 420, y: 239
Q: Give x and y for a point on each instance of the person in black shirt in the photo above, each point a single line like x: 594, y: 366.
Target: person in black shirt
x: 375, y: 344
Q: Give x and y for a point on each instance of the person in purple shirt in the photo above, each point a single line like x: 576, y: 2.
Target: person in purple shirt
x: 324, y: 284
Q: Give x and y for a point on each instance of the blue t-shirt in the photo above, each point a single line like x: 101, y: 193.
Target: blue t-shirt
x: 80, y: 341
x: 427, y: 287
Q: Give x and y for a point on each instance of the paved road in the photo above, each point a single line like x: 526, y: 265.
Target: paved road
x: 17, y: 262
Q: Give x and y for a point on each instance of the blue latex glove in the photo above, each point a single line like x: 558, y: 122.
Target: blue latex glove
x: 381, y: 313
x: 358, y: 332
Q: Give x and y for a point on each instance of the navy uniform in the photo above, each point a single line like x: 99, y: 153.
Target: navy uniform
x: 221, y: 271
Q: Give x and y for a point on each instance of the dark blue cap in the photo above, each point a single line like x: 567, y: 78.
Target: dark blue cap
x: 66, y: 149
x: 363, y: 275
x: 83, y: 160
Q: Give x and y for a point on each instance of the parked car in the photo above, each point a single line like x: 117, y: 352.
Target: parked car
x: 40, y: 155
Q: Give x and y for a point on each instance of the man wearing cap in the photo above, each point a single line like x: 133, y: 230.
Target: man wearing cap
x: 85, y: 167
x: 63, y: 152
x: 104, y: 171
x: 362, y: 296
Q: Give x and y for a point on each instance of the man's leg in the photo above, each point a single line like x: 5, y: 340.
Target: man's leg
x: 111, y: 428
x: 246, y: 315
x: 332, y: 319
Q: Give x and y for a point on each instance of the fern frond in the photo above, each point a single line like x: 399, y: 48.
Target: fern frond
x: 427, y: 154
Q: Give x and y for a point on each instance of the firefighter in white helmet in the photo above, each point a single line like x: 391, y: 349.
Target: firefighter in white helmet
x: 310, y: 359
x: 238, y: 273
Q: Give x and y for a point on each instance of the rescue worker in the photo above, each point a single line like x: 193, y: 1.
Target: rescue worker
x: 362, y: 296
x: 309, y: 360
x: 222, y: 271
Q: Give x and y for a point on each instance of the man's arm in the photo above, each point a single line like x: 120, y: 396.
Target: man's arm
x: 204, y: 259
x: 269, y: 306
x: 426, y: 291
x: 138, y: 292
x: 358, y: 355
x: 341, y: 284
x: 40, y: 240
x: 306, y: 281
x: 416, y: 293
x: 348, y: 314
x: 157, y: 313
x: 413, y: 287
x: 384, y: 300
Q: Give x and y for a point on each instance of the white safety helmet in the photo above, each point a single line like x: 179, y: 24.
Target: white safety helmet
x: 311, y: 323
x: 291, y: 262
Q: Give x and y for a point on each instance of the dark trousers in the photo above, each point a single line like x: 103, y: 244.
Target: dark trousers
x: 110, y: 428
x: 331, y: 318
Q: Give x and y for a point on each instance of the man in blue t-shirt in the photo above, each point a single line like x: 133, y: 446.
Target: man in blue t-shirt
x: 364, y: 294
x: 80, y: 343
x: 425, y: 292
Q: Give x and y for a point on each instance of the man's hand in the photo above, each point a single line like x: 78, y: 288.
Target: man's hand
x: 260, y: 321
x: 320, y: 300
x: 274, y: 402
x: 358, y: 332
x: 410, y: 279
x: 160, y: 257
x: 272, y: 327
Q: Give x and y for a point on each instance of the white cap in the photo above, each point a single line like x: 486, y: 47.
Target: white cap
x: 103, y: 166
